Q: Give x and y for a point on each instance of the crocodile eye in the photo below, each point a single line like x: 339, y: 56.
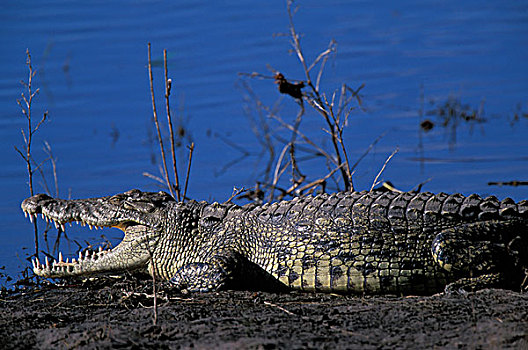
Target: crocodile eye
x: 145, y: 207
x: 133, y: 193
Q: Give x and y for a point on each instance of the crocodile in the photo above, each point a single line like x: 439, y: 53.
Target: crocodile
x: 347, y: 242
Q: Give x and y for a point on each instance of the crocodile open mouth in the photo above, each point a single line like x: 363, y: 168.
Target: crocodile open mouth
x: 134, y: 212
x: 89, y: 261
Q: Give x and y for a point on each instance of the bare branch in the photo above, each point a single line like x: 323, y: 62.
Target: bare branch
x: 28, y: 134
x: 375, y: 182
x: 154, y: 177
x: 296, y: 43
x: 370, y: 147
x: 154, y: 292
x: 321, y: 180
x: 335, y: 112
x: 24, y: 137
x: 42, y: 176
x: 323, y: 54
x: 47, y: 148
x: 155, y: 114
x: 277, y: 174
x: 20, y: 152
x: 418, y: 188
x: 236, y: 192
x: 305, y: 138
x: 168, y: 83
x: 44, y: 116
x: 191, y: 150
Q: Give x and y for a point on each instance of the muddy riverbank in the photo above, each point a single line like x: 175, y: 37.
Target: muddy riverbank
x: 119, y: 313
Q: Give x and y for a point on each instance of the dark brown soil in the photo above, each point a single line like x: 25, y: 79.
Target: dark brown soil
x: 119, y: 314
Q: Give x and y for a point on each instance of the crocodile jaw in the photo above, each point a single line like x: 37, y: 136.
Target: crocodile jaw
x: 133, y: 252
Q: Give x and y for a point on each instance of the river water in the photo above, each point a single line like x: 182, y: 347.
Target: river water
x: 417, y: 59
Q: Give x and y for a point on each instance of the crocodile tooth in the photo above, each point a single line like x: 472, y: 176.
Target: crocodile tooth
x: 100, y: 249
x: 56, y: 224
x: 34, y: 263
x: 60, y: 256
x: 74, y: 261
x: 31, y: 218
x: 80, y: 255
x: 37, y: 261
x: 63, y: 228
x: 47, y: 261
x: 90, y: 226
x: 25, y: 214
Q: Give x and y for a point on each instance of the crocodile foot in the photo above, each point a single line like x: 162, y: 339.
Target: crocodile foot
x: 470, y: 284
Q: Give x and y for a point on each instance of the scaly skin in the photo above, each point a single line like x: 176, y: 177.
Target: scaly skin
x: 360, y: 242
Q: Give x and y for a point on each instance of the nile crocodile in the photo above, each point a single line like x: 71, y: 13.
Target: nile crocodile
x: 358, y: 242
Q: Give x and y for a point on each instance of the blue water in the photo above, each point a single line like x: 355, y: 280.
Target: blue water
x: 91, y: 60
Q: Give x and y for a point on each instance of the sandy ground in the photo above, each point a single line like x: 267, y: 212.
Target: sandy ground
x: 119, y: 314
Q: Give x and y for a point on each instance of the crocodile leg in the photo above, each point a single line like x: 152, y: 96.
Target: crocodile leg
x: 205, y: 277
x: 474, y: 283
x: 228, y: 271
x: 468, y: 251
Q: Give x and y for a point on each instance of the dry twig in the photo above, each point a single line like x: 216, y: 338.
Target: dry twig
x: 375, y: 182
x: 175, y: 189
x: 155, y: 114
x: 191, y: 150
x: 168, y: 84
x: 316, y: 101
x: 335, y: 113
x: 154, y: 292
x: 25, y: 104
